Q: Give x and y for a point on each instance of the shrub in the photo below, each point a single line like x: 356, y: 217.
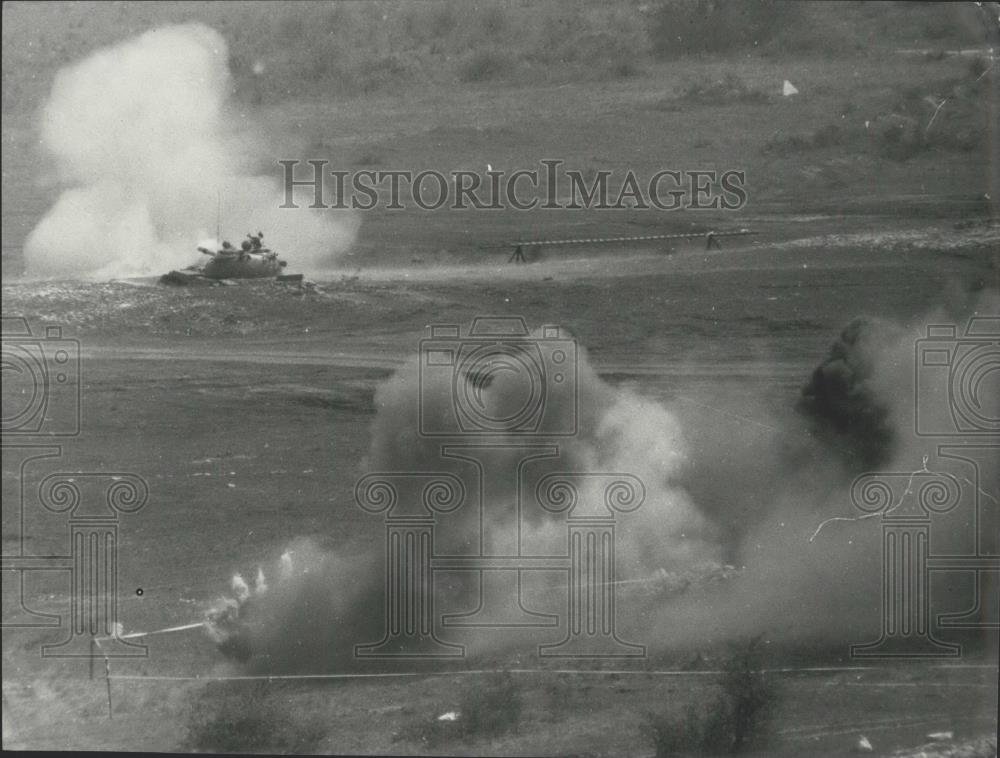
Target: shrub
x: 492, y: 706
x: 749, y: 695
x: 686, y: 27
x: 736, y: 721
x: 672, y: 736
x: 240, y: 717
x: 831, y: 135
x: 902, y: 141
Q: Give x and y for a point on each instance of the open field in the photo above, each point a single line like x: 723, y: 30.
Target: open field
x: 248, y: 408
x: 252, y: 410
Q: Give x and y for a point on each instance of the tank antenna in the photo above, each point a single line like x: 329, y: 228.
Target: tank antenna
x: 218, y: 215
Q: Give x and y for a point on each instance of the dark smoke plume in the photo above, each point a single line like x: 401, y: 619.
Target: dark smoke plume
x: 842, y: 402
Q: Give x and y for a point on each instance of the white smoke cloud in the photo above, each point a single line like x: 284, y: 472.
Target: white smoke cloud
x: 726, y: 544
x: 329, y: 601
x: 145, y: 147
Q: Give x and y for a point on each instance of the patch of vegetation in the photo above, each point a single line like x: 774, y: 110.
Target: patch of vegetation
x: 735, y: 722
x: 948, y: 115
x: 691, y: 27
x: 247, y: 717
x: 831, y: 135
x: 954, y: 118
x: 282, y: 51
x: 493, y: 706
x: 490, y: 706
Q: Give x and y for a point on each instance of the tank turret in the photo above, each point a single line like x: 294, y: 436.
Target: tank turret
x: 251, y: 260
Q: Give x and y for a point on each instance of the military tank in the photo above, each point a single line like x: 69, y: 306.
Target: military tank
x: 251, y: 260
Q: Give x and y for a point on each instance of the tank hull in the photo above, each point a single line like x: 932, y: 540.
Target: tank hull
x: 242, y: 266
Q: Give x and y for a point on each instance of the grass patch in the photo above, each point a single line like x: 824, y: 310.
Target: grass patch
x: 950, y: 115
x: 344, y: 49
x: 489, y: 707
x: 694, y: 27
x: 493, y: 707
x: 831, y: 135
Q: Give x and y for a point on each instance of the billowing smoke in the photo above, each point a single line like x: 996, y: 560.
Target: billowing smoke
x: 303, y: 612
x: 616, y: 430
x: 314, y: 615
x: 748, y: 525
x: 143, y: 139
x: 809, y: 564
x: 842, y: 396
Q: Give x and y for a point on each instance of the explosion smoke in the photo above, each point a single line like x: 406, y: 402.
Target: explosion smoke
x: 618, y: 431
x: 142, y: 137
x: 841, y: 399
x: 723, y: 546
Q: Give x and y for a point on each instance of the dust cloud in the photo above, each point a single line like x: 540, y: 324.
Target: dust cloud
x: 150, y: 154
x: 771, y: 485
x: 727, y: 543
